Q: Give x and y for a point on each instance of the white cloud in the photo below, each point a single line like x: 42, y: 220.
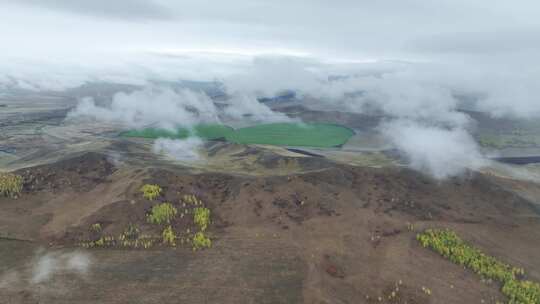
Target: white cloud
x: 244, y: 107
x: 270, y: 75
x: 179, y: 149
x: 161, y: 107
x: 438, y: 151
x: 49, y: 264
x: 47, y: 269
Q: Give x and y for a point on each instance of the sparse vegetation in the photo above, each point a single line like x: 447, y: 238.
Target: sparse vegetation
x: 177, y: 229
x: 10, y: 185
x: 200, y: 240
x: 192, y: 199
x: 96, y: 227
x: 151, y: 192
x: 201, y: 217
x: 169, y: 236
x: 286, y: 165
x: 131, y: 232
x: 395, y: 292
x: 143, y: 241
x: 162, y: 214
x: 131, y: 237
x: 104, y: 241
x: 449, y: 245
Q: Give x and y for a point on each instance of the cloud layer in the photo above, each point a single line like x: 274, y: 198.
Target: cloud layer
x: 152, y: 106
x: 416, y: 62
x: 438, y: 151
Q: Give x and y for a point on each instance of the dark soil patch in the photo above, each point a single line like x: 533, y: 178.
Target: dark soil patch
x: 80, y: 173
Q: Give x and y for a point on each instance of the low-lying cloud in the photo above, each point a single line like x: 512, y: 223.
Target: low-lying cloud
x: 430, y: 97
x: 50, y: 264
x: 44, y: 268
x: 163, y: 107
x: 424, y: 104
x: 438, y: 151
x: 152, y: 106
x: 179, y: 149
x: 244, y: 107
x: 429, y: 88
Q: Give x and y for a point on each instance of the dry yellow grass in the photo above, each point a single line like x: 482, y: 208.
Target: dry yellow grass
x: 10, y: 185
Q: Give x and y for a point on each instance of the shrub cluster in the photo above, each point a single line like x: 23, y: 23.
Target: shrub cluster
x: 96, y: 227
x: 10, y: 185
x: 162, y: 214
x: 169, y: 236
x: 200, y: 240
x: 451, y: 246
x: 130, y: 237
x: 526, y: 292
x: 201, y: 217
x: 151, y: 192
x: 131, y: 232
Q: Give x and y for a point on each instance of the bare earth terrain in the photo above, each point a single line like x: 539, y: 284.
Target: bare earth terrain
x: 287, y: 225
x: 337, y: 234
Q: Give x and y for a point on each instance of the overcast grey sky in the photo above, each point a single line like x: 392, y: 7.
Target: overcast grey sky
x: 484, y: 47
x: 346, y: 29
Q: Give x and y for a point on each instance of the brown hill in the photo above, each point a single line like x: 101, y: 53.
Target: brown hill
x: 337, y: 235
